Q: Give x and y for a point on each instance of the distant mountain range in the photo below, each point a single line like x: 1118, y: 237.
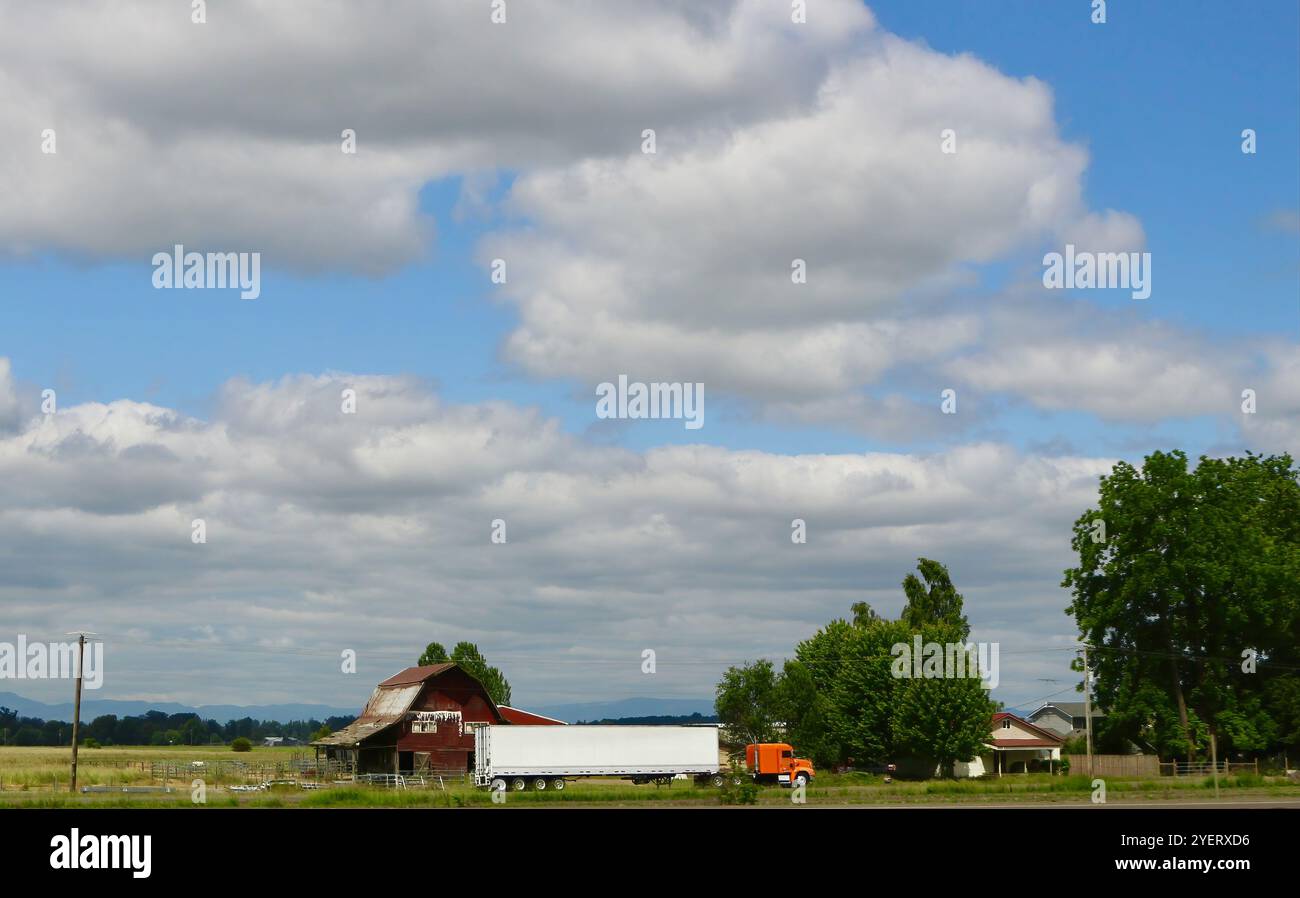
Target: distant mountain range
x: 628, y: 707
x: 92, y: 708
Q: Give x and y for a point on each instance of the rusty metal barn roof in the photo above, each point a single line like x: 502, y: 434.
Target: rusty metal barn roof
x: 387, y: 705
x: 391, y: 701
x: 416, y: 675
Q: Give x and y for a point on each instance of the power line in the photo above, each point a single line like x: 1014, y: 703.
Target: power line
x: 535, y: 658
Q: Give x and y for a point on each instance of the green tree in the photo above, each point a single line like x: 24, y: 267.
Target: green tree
x: 933, y: 600
x: 748, y: 702
x: 434, y: 653
x: 942, y: 720
x: 850, y: 663
x: 807, y: 714
x: 241, y: 744
x: 863, y: 614
x: 193, y: 732
x: 1181, y: 574
x: 857, y: 707
x: 467, y: 655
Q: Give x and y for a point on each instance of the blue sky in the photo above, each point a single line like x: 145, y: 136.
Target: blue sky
x: 1157, y: 98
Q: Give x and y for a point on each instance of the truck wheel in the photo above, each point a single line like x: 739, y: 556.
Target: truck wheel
x: 717, y: 779
x: 558, y: 784
x: 539, y: 784
x: 498, y: 785
x: 801, y: 779
x: 518, y: 784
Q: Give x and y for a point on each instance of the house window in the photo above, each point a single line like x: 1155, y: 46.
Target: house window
x: 1006, y: 724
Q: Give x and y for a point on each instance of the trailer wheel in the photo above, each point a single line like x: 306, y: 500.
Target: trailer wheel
x: 717, y: 779
x: 558, y: 784
x: 498, y: 785
x: 539, y: 784
x: 518, y: 784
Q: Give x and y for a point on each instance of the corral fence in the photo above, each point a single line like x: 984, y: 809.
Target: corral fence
x: 403, y: 780
x: 296, y: 769
x: 1205, y: 768
x: 1152, y: 766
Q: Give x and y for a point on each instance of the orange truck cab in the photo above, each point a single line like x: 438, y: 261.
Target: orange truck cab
x: 774, y: 762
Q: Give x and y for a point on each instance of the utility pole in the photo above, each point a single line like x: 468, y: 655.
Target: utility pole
x: 1087, y: 706
x: 1214, y: 761
x: 76, y: 705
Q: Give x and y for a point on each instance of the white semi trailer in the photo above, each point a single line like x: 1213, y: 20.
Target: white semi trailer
x: 542, y: 757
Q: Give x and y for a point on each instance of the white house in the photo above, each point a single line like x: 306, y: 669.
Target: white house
x: 1015, y: 745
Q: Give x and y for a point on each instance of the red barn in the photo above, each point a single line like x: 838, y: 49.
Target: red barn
x: 527, y: 718
x: 421, y: 720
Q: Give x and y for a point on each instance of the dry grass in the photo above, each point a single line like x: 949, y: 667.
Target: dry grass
x: 38, y: 777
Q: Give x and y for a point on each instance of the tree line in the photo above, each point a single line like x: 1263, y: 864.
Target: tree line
x: 157, y: 728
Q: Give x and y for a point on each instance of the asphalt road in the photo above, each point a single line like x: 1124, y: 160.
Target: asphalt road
x: 1221, y: 804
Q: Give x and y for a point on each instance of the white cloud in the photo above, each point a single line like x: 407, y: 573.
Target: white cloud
x: 678, y: 265
x: 227, y: 135
x: 328, y: 531
x: 10, y: 410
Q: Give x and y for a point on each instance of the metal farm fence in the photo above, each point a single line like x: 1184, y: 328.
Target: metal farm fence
x: 1205, y: 768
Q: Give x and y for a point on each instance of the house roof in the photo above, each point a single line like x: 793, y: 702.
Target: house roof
x: 527, y: 718
x: 1070, y: 709
x: 1047, y: 739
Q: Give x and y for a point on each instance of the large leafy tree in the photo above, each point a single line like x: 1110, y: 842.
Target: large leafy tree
x: 945, y: 719
x: 850, y: 665
x: 434, y: 653
x: 748, y: 702
x: 807, y: 713
x: 1182, y: 572
x: 932, y: 599
x: 468, y: 656
x: 856, y: 708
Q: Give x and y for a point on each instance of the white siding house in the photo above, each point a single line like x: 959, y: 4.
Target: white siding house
x: 1015, y: 745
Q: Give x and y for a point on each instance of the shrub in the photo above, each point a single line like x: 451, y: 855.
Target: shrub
x: 738, y: 787
x: 241, y: 744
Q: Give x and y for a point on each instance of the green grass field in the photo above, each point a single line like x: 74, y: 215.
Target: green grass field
x: 38, y: 777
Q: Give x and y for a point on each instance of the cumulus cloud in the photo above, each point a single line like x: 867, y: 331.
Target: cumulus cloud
x: 819, y: 142
x: 681, y: 262
x: 10, y: 410
x: 227, y: 134
x: 371, y: 531
x: 1060, y: 355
